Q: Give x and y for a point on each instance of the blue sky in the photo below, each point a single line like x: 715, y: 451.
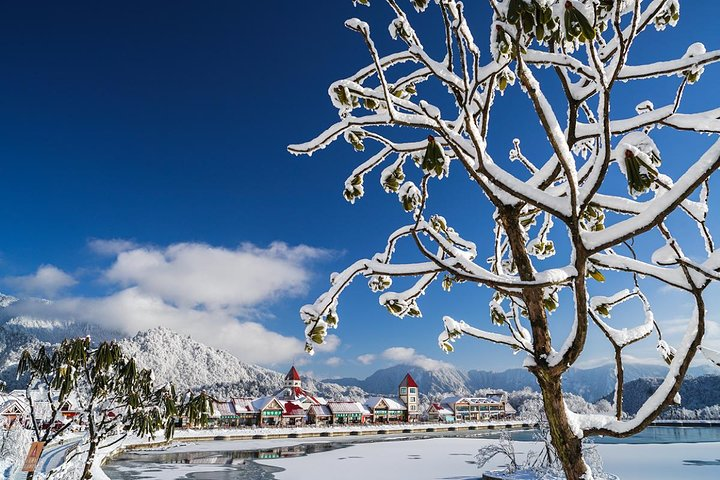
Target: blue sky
x: 146, y: 178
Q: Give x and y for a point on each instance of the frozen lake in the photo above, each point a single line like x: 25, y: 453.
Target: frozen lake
x: 657, y: 453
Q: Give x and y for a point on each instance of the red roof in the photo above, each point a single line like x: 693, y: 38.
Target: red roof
x: 292, y: 374
x: 408, y: 382
x: 292, y: 409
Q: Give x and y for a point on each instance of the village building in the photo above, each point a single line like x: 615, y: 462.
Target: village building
x: 13, y: 408
x: 270, y: 411
x: 387, y: 410
x: 292, y: 391
x: 244, y: 411
x: 294, y: 415
x: 287, y: 407
x: 409, y: 393
x: 319, y: 415
x: 437, y: 412
x: 236, y: 412
x: 344, y: 413
x: 493, y: 406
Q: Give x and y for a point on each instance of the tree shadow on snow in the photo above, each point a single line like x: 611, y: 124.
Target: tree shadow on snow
x: 702, y: 463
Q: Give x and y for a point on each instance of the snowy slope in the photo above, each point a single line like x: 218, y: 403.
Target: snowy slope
x: 18, y: 333
x: 696, y: 393
x: 172, y: 357
x: 189, y: 364
x: 12, y: 343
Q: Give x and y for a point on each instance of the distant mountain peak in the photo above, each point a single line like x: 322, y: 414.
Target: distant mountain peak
x: 6, y: 300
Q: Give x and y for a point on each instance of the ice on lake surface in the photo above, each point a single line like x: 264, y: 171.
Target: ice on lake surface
x: 658, y: 453
x: 668, y: 435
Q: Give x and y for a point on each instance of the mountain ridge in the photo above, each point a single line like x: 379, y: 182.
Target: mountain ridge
x: 592, y: 384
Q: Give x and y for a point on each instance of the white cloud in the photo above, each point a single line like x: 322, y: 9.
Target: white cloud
x: 198, y: 290
x: 333, y: 361
x: 367, y: 358
x: 47, y: 280
x: 409, y: 356
x: 332, y: 342
x: 193, y: 274
x: 111, y: 247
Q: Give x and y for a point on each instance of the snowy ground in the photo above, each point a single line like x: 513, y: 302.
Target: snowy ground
x: 443, y: 458
x: 446, y: 458
x: 449, y: 458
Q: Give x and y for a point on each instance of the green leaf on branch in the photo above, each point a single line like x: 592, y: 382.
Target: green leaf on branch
x: 596, y: 274
x: 433, y: 161
x: 603, y: 310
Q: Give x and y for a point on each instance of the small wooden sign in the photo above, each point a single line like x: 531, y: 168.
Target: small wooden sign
x: 33, y: 456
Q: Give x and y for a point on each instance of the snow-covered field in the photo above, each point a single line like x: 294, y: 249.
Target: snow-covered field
x: 449, y: 458
x: 443, y: 458
x: 396, y: 456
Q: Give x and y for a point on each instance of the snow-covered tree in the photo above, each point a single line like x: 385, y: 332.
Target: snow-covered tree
x: 574, y: 194
x: 109, y: 395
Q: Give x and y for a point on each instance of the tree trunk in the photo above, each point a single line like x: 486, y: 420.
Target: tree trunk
x: 87, y: 471
x: 620, y: 374
x: 92, y: 447
x: 567, y: 445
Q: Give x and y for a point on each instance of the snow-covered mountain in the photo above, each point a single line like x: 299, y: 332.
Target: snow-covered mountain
x: 190, y: 364
x: 695, y: 393
x: 444, y: 381
x: 187, y: 363
x: 591, y: 384
x: 19, y: 332
x: 173, y: 357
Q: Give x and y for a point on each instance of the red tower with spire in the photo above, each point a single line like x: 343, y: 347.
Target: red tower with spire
x: 292, y: 379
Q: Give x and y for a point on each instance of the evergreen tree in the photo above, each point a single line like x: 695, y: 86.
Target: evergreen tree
x: 109, y: 395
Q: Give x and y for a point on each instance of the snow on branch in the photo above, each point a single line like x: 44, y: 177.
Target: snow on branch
x: 587, y: 44
x: 621, y: 338
x: 658, y: 208
x: 664, y: 395
x: 711, y: 355
x: 672, y: 67
x: 455, y: 329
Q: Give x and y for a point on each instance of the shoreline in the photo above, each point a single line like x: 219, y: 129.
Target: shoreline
x: 299, y: 433
x: 232, y: 434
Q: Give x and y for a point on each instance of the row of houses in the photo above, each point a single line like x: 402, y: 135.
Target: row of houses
x: 293, y: 406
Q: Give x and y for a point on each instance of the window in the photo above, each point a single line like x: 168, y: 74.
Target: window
x: 412, y: 399
x: 403, y: 391
x: 413, y: 390
x: 412, y: 408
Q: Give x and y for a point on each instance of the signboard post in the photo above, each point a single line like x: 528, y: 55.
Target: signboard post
x: 33, y: 456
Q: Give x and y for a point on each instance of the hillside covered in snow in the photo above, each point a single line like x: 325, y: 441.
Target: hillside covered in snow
x: 173, y: 357
x: 20, y: 332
